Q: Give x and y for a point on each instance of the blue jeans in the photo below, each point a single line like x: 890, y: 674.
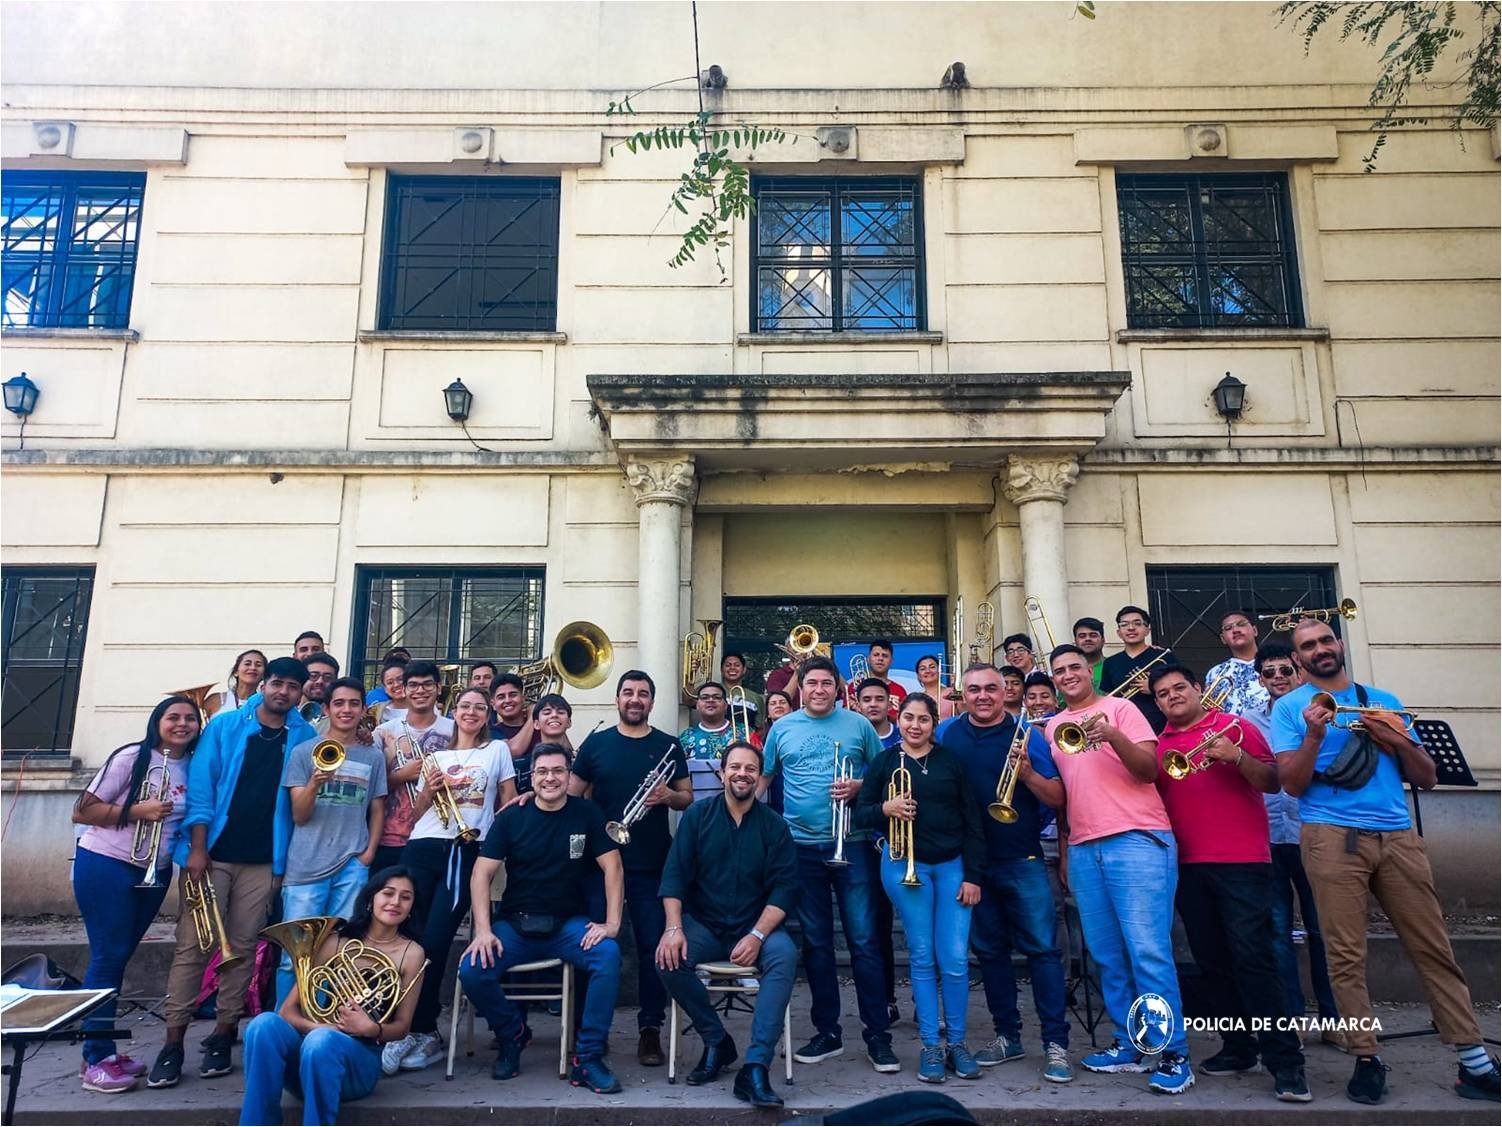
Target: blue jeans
x: 937, y: 927
x: 819, y: 886
x: 644, y: 909
x: 1124, y: 886
x: 1016, y: 912
x: 333, y: 895
x: 116, y: 915
x: 602, y: 962
x: 1289, y: 878
x: 776, y: 970
x: 326, y: 1067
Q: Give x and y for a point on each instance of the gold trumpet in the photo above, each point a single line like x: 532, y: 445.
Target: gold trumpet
x: 1182, y: 764
x: 1006, y: 786
x: 146, y: 844
x: 446, y: 805
x: 355, y: 974
x: 740, y: 706
x: 1354, y: 713
x: 698, y: 654
x: 328, y: 755
x: 1286, y: 621
x: 1069, y: 737
x: 900, y: 845
x: 208, y: 924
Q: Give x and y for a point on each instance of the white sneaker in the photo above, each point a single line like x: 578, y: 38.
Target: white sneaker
x: 428, y: 1050
x: 393, y: 1051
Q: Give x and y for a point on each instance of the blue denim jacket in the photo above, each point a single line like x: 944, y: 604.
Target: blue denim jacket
x: 215, y: 769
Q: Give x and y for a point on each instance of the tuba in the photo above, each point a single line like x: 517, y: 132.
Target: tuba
x: 581, y: 657
x: 199, y: 695
x: 900, y: 845
x: 355, y: 974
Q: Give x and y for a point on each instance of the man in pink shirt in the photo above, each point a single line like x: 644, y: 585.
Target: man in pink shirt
x: 1122, y: 865
x: 1225, y: 889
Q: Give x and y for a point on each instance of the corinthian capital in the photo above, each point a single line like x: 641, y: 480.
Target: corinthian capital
x: 671, y: 480
x: 1041, y: 478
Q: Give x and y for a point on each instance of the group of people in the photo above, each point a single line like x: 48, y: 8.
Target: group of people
x: 1132, y: 782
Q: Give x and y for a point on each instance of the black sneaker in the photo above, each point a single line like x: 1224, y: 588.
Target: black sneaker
x: 1472, y: 1087
x: 216, y: 1062
x: 1289, y: 1084
x: 894, y: 1015
x: 594, y: 1075
x: 879, y: 1052
x: 1227, y: 1063
x: 508, y: 1060
x: 1368, y: 1083
x: 168, y: 1069
x: 822, y: 1047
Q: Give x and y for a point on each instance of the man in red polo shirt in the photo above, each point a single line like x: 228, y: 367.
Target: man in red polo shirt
x: 1225, y: 889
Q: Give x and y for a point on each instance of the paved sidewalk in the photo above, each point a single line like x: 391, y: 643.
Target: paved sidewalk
x: 1422, y: 1074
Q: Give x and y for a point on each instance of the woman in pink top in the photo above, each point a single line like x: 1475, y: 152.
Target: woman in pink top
x: 109, y: 872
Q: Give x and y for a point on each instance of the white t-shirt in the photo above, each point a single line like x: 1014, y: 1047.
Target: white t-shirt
x: 474, y: 775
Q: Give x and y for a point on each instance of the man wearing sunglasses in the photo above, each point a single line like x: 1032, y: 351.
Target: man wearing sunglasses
x: 1238, y: 632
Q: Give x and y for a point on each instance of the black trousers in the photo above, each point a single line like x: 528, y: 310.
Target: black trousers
x: 441, y: 868
x: 1227, y: 914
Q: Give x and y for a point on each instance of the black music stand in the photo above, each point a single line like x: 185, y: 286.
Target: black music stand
x: 1081, y: 981
x: 48, y: 1016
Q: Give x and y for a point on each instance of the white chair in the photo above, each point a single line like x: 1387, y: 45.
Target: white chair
x: 561, y: 991
x: 730, y: 980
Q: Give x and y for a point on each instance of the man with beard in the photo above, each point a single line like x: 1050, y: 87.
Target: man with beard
x: 323, y: 671
x: 730, y: 882
x: 611, y: 767
x: 234, y: 837
x: 1358, y: 839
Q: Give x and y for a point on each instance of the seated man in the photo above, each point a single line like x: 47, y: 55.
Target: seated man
x: 549, y: 846
x: 734, y: 867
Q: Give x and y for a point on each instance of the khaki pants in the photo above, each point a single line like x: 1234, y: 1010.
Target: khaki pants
x: 244, y: 893
x: 1394, y: 868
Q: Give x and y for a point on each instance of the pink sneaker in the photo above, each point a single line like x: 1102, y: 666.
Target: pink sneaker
x: 129, y: 1065
x: 107, y: 1076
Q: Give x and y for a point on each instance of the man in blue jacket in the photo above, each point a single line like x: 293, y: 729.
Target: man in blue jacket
x: 235, y: 837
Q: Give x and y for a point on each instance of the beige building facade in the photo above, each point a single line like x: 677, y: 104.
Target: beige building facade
x: 1016, y: 398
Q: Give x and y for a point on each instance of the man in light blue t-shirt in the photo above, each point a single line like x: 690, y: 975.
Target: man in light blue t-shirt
x: 801, y: 747
x: 1358, y: 839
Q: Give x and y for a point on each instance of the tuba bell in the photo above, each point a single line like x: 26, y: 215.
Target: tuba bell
x: 355, y: 975
x: 199, y: 695
x: 803, y: 639
x: 581, y: 657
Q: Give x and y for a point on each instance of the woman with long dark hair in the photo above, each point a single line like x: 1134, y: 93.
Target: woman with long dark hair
x: 329, y: 1062
x: 132, y: 819
x: 947, y: 861
x: 244, y: 679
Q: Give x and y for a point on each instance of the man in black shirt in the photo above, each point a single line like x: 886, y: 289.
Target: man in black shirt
x: 549, y: 845
x: 1133, y: 626
x: 730, y: 882
x: 611, y: 766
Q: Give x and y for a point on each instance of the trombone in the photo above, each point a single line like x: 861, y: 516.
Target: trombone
x: 636, y: 809
x: 1286, y: 621
x: 957, y: 638
x: 739, y: 705
x: 1182, y: 764
x: 698, y: 654
x: 839, y: 811
x: 146, y: 845
x: 1036, y: 618
x: 1006, y: 786
x: 208, y: 924
x: 1355, y: 713
x: 900, y: 844
x: 1069, y: 737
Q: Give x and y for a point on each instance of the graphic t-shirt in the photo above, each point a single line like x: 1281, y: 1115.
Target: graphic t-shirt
x: 550, y: 856
x: 704, y: 750
x: 801, y: 750
x: 399, y: 813
x: 110, y: 785
x: 473, y: 776
x: 340, y: 826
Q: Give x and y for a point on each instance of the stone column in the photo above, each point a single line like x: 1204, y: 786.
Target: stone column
x: 1038, y: 486
x: 663, y: 487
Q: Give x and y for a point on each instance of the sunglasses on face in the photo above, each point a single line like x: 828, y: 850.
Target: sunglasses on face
x: 1277, y: 671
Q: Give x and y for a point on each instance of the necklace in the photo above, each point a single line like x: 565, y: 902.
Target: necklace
x: 921, y: 762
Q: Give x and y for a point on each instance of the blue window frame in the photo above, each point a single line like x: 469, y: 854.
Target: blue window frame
x: 471, y: 253
x: 1209, y: 251
x: 70, y: 248
x: 837, y: 254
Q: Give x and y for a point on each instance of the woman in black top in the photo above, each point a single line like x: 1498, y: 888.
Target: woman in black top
x: 949, y: 854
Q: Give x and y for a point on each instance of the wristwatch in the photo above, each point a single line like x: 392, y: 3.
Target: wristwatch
x: 760, y: 935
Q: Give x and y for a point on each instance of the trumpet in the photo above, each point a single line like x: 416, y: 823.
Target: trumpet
x: 1286, y: 621
x: 900, y: 845
x: 1069, y: 737
x: 698, y: 654
x: 985, y: 633
x: 146, y: 844
x: 355, y: 974
x: 446, y: 805
x: 840, y: 811
x: 1006, y: 786
x: 1217, y: 692
x: 636, y: 809
x: 328, y: 755
x: 1182, y: 764
x: 1354, y: 713
x: 1036, y: 618
x: 740, y: 729
x: 208, y: 924
x: 406, y: 753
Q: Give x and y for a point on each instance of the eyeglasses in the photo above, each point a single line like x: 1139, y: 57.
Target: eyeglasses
x: 548, y: 772
x: 1277, y: 671
x: 1243, y: 624
x: 1017, y: 649
x: 710, y: 697
x: 1132, y: 622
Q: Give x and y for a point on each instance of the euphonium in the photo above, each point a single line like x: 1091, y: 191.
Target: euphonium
x: 328, y: 755
x: 1006, y: 786
x: 1286, y: 621
x: 900, y: 845
x: 208, y: 925
x: 146, y: 844
x: 356, y: 974
x: 698, y: 654
x: 1182, y: 764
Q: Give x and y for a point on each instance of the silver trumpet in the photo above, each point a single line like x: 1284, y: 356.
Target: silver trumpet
x: 840, y: 811
x: 636, y: 809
